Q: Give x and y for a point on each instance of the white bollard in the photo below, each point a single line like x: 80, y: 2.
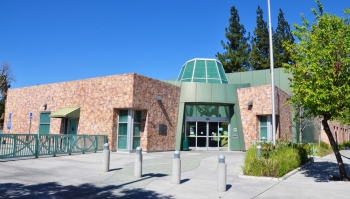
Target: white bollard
x: 221, y: 174
x: 138, y: 163
x: 106, y: 157
x: 258, y: 151
x: 176, y: 168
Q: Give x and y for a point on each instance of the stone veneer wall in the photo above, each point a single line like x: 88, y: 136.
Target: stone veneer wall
x: 96, y: 98
x: 261, y: 97
x: 99, y: 100
x: 159, y: 112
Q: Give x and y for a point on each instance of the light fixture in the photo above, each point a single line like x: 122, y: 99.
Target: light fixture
x: 159, y: 98
x: 45, y: 106
x: 250, y: 103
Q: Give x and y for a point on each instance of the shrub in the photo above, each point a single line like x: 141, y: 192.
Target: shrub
x: 325, y: 146
x: 343, y: 145
x: 274, y: 161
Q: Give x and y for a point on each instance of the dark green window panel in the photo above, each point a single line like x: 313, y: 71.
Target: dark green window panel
x: 189, y: 110
x: 214, y: 81
x: 44, y: 118
x: 122, y: 142
x: 224, y: 111
x: 199, y: 70
x: 212, y: 70
x: 263, y: 120
x: 123, y: 129
x: 135, y: 142
x: 208, y: 111
x: 44, y: 129
x: 222, y: 72
x: 137, y: 116
x: 181, y: 73
x: 188, y: 70
x: 263, y: 132
x: 197, y: 110
x: 137, y: 129
x: 199, y: 80
x: 123, y: 115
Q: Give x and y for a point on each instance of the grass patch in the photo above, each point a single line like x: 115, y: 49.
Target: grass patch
x: 275, y: 161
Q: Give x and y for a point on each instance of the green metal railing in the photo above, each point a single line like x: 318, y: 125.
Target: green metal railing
x: 22, y: 145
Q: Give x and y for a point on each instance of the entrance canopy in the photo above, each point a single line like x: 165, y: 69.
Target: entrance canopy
x: 67, y: 112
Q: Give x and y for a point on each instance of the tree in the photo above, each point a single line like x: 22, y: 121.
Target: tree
x: 260, y: 55
x: 281, y: 35
x: 321, y: 73
x: 236, y: 57
x: 6, y: 78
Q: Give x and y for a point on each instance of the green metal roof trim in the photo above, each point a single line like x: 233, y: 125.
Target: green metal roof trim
x: 70, y: 112
x: 203, y: 70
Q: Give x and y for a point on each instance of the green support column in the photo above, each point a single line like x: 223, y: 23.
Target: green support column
x: 180, y: 118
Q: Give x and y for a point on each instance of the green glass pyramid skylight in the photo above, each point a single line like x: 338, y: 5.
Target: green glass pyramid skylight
x: 203, y: 70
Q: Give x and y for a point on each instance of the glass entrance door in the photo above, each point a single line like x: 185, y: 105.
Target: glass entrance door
x: 213, y: 136
x: 207, y: 135
x: 202, y: 136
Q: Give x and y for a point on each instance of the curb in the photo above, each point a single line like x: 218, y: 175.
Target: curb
x: 276, y: 179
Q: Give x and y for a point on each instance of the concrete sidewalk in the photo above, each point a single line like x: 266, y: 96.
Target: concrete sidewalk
x: 81, y: 176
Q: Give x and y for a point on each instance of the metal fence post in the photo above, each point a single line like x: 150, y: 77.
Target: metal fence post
x: 222, y: 174
x: 106, y: 157
x: 14, y: 145
x: 96, y: 143
x: 176, y: 168
x: 84, y: 144
x: 54, y: 146
x: 36, y: 146
x: 138, y: 163
x: 69, y: 145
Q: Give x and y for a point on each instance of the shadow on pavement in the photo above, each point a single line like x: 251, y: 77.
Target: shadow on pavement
x: 345, y: 157
x: 184, y: 180
x: 116, y: 169
x: 52, y: 190
x: 321, y: 171
x: 228, y: 186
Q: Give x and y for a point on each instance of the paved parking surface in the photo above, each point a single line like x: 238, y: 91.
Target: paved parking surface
x: 81, y: 176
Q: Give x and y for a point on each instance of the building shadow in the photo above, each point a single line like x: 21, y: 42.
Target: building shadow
x: 321, y: 171
x: 53, y: 190
x: 164, y: 112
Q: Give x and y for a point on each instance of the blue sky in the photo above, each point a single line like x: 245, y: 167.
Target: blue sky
x: 51, y: 41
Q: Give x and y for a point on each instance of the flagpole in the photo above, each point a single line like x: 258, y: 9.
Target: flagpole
x: 272, y: 78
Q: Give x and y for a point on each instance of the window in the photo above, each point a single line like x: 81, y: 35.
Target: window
x: 123, y: 129
x: 136, y: 129
x: 207, y: 110
x: 263, y: 128
x: 129, y: 129
x: 44, y: 123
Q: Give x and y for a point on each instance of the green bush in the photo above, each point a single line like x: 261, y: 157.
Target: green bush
x: 325, y: 146
x: 274, y: 161
x: 343, y: 145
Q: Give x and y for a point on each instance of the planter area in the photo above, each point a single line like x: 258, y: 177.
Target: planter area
x: 276, y: 161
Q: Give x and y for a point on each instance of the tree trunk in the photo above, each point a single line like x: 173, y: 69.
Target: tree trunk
x: 343, y: 176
